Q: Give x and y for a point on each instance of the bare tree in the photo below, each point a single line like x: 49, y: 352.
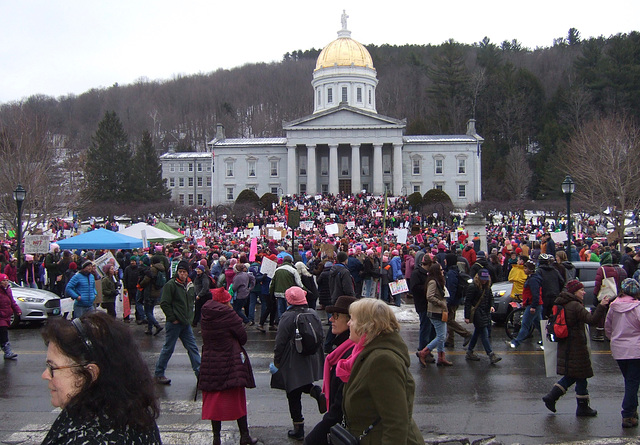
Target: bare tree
x: 28, y: 157
x: 603, y: 158
x: 517, y: 176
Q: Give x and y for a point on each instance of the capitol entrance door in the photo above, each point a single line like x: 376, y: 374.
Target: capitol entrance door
x: 344, y: 186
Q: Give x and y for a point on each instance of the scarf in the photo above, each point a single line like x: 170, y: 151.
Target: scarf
x: 330, y: 361
x: 344, y: 366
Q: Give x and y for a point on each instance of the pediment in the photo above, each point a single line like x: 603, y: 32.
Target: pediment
x: 344, y: 117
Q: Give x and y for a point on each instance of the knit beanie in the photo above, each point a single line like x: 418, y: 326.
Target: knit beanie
x: 574, y: 286
x: 630, y: 287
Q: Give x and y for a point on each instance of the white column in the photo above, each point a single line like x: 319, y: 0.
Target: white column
x: 312, y: 170
x: 333, y: 169
x: 292, y: 176
x: 378, y: 186
x: 478, y: 162
x: 397, y: 169
x: 356, y: 174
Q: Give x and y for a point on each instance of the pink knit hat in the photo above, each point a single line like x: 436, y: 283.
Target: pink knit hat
x: 296, y: 296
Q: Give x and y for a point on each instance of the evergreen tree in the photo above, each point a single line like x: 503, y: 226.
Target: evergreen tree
x: 108, y: 165
x: 147, y: 181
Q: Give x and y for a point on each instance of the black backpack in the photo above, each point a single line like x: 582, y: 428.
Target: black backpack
x: 161, y: 280
x: 308, y: 334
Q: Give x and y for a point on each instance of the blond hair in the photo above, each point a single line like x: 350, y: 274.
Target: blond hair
x: 372, y: 318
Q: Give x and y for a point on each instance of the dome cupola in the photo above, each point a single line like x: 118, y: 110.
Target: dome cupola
x: 344, y: 73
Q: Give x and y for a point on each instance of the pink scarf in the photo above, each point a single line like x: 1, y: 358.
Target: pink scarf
x: 344, y: 366
x: 331, y: 360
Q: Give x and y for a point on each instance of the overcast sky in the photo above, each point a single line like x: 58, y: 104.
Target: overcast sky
x: 69, y: 46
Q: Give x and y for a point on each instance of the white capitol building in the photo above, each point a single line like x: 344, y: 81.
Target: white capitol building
x: 344, y: 146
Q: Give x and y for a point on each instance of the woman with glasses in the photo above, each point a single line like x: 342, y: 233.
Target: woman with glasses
x: 332, y: 384
x: 88, y: 361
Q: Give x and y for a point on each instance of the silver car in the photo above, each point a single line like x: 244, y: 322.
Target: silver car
x: 37, y: 305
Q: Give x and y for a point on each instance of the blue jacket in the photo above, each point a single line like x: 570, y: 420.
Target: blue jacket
x: 396, y: 266
x: 81, y: 285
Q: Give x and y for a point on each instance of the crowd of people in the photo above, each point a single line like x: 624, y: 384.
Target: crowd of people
x: 218, y: 274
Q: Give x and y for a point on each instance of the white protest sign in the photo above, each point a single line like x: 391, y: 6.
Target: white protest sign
x: 398, y: 287
x: 277, y: 235
x: 103, y: 260
x: 268, y: 267
x: 36, y: 244
x: 402, y: 236
x: 306, y: 225
x: 351, y: 224
x: 532, y: 237
x: 332, y: 229
x: 559, y: 237
x: 255, y: 232
x: 454, y: 237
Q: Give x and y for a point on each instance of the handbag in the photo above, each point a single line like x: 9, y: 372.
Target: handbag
x: 608, y: 288
x: 445, y: 317
x: 472, y: 312
x: 340, y: 435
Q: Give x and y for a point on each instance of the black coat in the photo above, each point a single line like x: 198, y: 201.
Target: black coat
x: 324, y: 291
x: 482, y: 316
x: 418, y: 281
x: 225, y: 363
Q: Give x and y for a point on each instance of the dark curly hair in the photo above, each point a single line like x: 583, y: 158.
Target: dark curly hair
x: 124, y: 388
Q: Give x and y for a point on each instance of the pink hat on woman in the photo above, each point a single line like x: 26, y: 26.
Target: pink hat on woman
x: 296, y: 296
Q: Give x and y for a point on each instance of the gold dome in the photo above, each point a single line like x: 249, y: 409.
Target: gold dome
x: 344, y: 51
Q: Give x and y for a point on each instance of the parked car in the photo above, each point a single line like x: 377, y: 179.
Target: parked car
x: 37, y: 305
x: 585, y: 272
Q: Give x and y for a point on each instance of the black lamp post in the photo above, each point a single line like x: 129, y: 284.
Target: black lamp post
x: 568, y: 187
x: 18, y: 195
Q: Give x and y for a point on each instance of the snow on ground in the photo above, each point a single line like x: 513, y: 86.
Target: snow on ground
x: 406, y: 313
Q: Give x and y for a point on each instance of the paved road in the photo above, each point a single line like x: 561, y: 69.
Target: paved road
x: 471, y: 401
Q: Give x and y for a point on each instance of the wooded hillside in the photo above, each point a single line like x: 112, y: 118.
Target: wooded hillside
x: 527, y: 103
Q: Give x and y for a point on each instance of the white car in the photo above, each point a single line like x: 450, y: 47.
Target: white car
x: 37, y: 305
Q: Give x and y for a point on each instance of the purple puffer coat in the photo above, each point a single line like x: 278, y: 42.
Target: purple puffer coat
x: 8, y: 306
x: 225, y: 363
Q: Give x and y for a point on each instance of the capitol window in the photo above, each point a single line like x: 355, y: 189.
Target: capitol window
x: 302, y: 160
x: 181, y: 167
x: 416, y: 166
x: 190, y: 199
x: 181, y: 199
x: 172, y: 167
x: 190, y: 166
x: 229, y: 169
x: 324, y: 166
x: 199, y: 181
x: 274, y: 168
x: 345, y: 97
x: 229, y: 193
x: 172, y: 182
x: 439, y: 166
x: 359, y: 95
x: 386, y: 164
x: 208, y: 181
x: 329, y: 95
x: 180, y: 182
x: 251, y: 168
x: 462, y: 190
x: 365, y: 165
x: 462, y: 166
x: 190, y: 182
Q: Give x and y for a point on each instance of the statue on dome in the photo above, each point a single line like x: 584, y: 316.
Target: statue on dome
x: 344, y: 18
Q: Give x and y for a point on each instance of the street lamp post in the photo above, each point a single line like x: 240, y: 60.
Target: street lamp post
x: 568, y: 187
x: 18, y: 195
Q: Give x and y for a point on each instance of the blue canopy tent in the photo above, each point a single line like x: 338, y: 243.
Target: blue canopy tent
x: 100, y: 239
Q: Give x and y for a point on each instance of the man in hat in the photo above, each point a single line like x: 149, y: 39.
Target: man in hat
x: 177, y: 303
x: 82, y: 289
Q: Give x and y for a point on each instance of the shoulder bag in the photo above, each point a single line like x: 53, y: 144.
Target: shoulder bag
x: 340, y: 435
x: 472, y: 312
x: 608, y: 288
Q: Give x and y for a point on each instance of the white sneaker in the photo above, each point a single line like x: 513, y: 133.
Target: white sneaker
x: 511, y: 344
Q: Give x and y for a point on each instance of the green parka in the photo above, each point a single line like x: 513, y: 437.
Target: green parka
x: 178, y: 300
x: 381, y: 385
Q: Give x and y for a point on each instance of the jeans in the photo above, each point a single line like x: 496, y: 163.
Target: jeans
x: 427, y: 331
x: 398, y: 298
x: 369, y: 288
x: 140, y: 311
x: 79, y: 311
x: 150, y: 318
x: 185, y: 334
x: 237, y: 306
x: 581, y: 385
x: 32, y: 285
x: 631, y: 373
x: 295, y: 403
x: 282, y: 307
x: 483, y: 333
x: 384, y: 292
x: 527, y: 319
x: 253, y: 300
x: 441, y: 333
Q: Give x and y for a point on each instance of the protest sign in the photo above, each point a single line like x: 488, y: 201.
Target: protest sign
x: 36, y: 244
x: 332, y: 229
x: 351, y: 224
x: 268, y: 267
x: 559, y: 237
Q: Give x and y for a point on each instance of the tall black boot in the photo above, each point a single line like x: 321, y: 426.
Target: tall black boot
x: 297, y: 432
x: 245, y: 439
x: 216, y: 426
x: 318, y: 395
x: 584, y: 410
x: 550, y: 399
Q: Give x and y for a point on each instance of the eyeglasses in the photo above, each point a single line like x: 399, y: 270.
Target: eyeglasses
x: 335, y: 315
x: 52, y: 368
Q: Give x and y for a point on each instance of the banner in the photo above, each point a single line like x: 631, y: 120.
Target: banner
x: 253, y: 250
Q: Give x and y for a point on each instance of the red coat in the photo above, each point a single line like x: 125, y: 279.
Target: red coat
x: 8, y: 306
x: 225, y: 363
